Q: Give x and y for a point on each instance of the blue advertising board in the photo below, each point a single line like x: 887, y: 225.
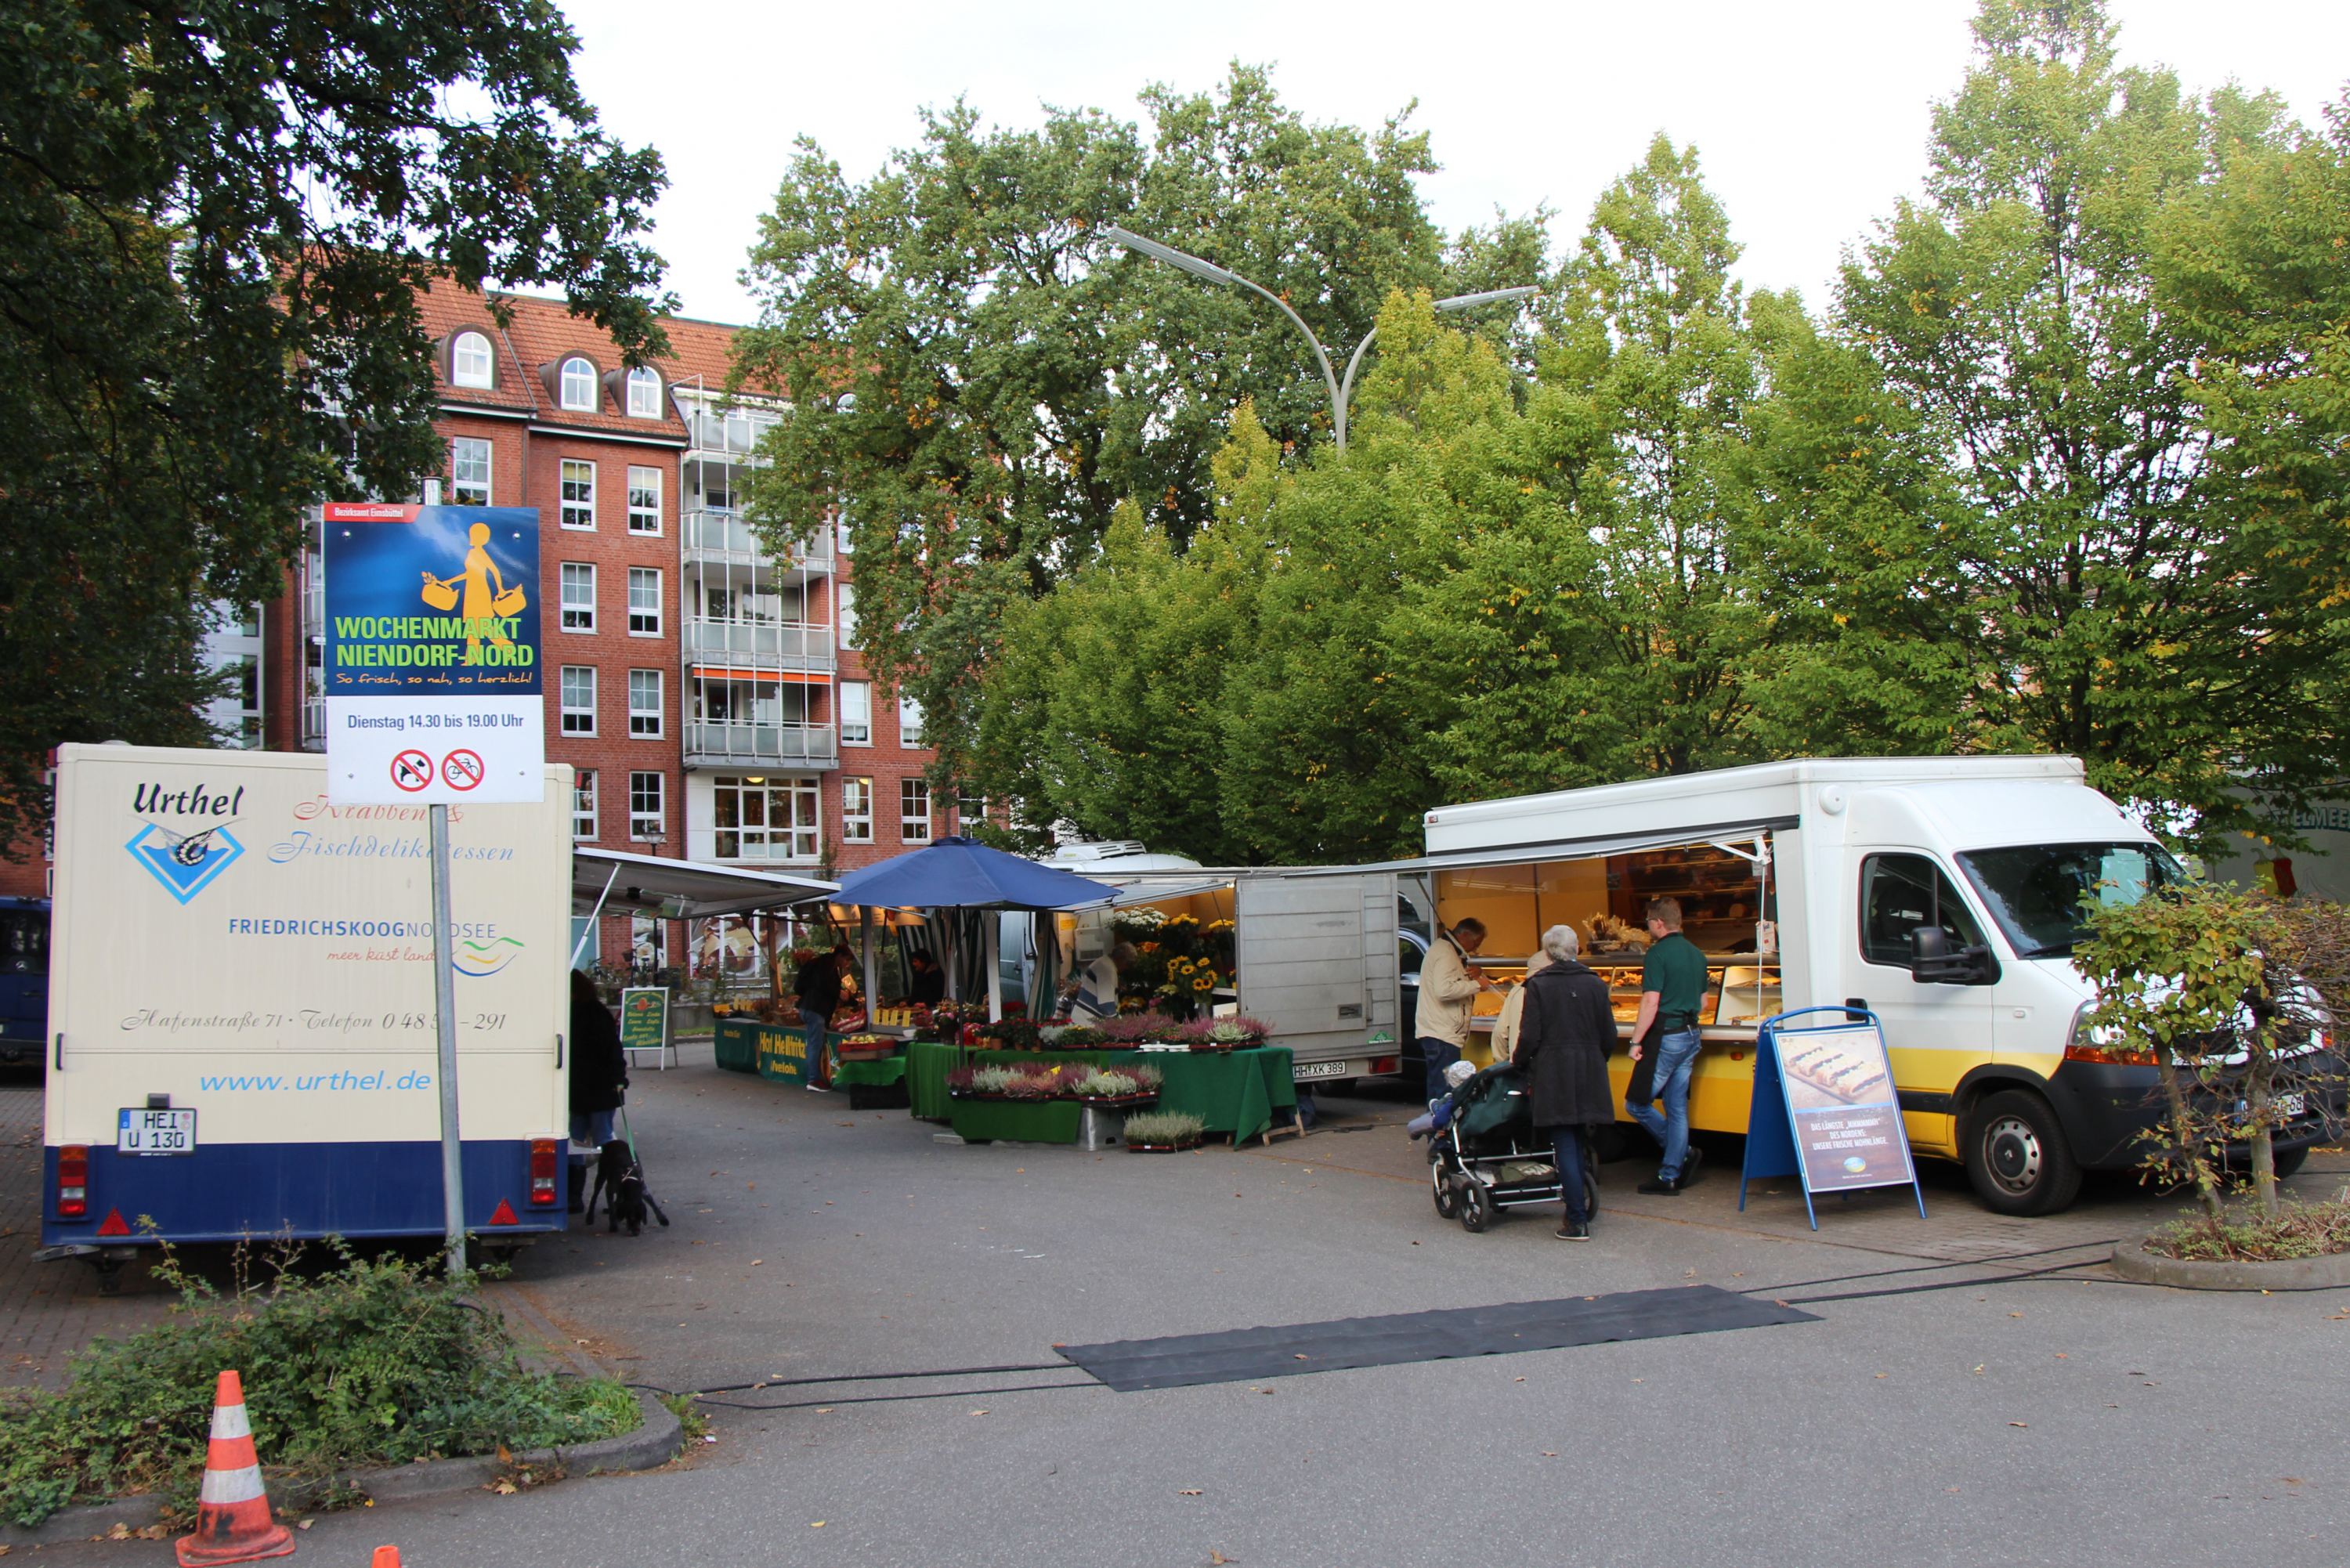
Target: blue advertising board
x: 433, y: 681
x: 1825, y: 1109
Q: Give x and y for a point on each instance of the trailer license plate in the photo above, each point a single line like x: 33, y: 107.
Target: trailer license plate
x: 156, y: 1132
x: 1305, y: 1070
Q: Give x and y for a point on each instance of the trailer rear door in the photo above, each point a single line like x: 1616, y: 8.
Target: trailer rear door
x: 1318, y: 966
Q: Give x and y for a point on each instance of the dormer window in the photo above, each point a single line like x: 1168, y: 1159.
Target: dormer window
x: 469, y: 364
x: 577, y: 388
x: 644, y: 394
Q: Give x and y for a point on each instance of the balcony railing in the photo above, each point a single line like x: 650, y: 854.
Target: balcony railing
x: 711, y: 744
x: 713, y: 533
x: 773, y: 645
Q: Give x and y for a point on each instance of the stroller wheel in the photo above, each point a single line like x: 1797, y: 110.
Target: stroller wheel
x: 1477, y: 1209
x: 1448, y: 1197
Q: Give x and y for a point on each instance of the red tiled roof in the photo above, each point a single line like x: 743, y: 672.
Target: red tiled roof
x: 543, y: 333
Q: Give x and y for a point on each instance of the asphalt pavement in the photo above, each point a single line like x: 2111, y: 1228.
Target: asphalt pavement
x: 1976, y: 1389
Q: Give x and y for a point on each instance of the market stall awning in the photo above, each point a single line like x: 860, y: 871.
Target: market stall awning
x: 959, y: 873
x: 623, y: 883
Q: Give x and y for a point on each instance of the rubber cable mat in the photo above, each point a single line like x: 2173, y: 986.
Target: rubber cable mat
x: 1246, y: 1355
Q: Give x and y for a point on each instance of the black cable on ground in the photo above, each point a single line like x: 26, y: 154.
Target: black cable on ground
x: 1919, y: 1269
x: 893, y: 1398
x: 889, y: 1377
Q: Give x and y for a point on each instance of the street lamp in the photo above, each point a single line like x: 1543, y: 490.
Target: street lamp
x: 1342, y: 392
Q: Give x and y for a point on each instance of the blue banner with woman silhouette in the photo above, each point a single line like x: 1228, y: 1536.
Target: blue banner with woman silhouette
x: 431, y: 674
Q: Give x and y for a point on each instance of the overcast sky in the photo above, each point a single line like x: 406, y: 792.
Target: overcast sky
x: 1809, y: 116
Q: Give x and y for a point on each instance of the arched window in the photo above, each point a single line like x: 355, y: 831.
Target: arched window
x: 578, y: 385
x: 644, y: 394
x: 469, y: 364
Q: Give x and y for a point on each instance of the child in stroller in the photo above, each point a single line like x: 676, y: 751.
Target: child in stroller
x: 1484, y: 1156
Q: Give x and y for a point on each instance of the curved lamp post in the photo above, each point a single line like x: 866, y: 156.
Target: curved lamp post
x: 1342, y: 392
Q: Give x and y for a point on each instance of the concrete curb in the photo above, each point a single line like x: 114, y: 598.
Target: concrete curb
x: 2133, y: 1262
x: 653, y: 1443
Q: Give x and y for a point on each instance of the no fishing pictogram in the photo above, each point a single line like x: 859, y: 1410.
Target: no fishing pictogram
x: 462, y: 769
x: 412, y: 771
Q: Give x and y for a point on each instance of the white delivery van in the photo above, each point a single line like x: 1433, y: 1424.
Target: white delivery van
x: 1315, y: 951
x: 242, y: 1027
x: 1941, y: 893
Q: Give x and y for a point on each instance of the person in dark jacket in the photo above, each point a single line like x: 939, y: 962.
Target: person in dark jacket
x: 1563, y: 1043
x: 599, y: 1078
x: 817, y: 991
x: 927, y: 987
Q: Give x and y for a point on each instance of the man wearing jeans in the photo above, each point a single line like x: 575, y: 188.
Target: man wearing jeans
x: 1671, y: 982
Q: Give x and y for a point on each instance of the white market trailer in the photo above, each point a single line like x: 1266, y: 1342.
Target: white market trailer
x: 242, y: 1017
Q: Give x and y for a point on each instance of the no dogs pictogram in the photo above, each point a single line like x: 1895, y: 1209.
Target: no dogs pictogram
x: 462, y: 769
x: 412, y: 771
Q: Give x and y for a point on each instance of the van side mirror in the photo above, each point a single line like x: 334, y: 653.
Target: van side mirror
x: 1933, y: 962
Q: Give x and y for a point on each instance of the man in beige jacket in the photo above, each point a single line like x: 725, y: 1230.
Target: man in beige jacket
x: 1449, y: 984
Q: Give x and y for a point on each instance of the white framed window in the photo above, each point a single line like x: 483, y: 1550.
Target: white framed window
x: 644, y: 601
x: 644, y: 393
x: 469, y: 471
x: 647, y: 809
x: 855, y: 811
x: 578, y: 688
x: 644, y: 499
x: 909, y: 722
x: 576, y: 388
x: 583, y: 805
x: 578, y: 493
x: 645, y: 703
x: 842, y: 531
x: 766, y: 819
x: 578, y: 583
x: 471, y: 364
x: 914, y: 811
x: 857, y: 712
x: 846, y: 603
x: 971, y: 806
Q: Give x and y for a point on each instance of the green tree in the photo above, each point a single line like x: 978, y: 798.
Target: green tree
x: 213, y: 218
x: 2028, y: 546
x: 980, y: 379
x: 1600, y: 630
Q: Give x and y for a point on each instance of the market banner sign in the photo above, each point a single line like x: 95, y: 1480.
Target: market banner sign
x: 644, y: 1018
x: 434, y: 687
x: 1825, y: 1107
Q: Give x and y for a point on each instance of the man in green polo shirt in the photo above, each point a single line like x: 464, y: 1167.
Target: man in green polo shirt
x: 1672, y: 983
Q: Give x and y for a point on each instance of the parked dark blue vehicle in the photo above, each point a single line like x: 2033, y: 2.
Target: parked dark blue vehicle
x: 23, y: 980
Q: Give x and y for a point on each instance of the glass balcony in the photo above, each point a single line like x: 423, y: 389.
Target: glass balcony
x: 765, y: 645
x: 714, y: 743
x: 715, y: 535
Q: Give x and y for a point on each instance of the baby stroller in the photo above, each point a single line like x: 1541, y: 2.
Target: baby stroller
x: 1486, y: 1157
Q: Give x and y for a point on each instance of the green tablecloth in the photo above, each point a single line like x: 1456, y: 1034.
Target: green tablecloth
x: 927, y: 1063
x: 878, y: 1075
x: 1233, y: 1092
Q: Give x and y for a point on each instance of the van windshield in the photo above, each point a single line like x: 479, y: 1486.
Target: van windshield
x: 2035, y: 891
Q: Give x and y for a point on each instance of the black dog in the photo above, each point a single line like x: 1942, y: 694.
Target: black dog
x: 621, y: 1182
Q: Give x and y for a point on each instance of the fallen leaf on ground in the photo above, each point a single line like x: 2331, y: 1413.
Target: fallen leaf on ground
x: 1188, y: 1491
x: 816, y: 1524
x: 2019, y: 1423
x: 503, y: 1487
x: 979, y: 1412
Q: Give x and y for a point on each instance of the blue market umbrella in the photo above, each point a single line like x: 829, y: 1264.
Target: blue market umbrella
x: 959, y: 873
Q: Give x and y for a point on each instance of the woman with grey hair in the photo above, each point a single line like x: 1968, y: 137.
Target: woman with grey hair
x: 1563, y: 1043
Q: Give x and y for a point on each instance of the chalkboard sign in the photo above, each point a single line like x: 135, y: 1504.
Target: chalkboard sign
x: 644, y: 1022
x: 1826, y: 1109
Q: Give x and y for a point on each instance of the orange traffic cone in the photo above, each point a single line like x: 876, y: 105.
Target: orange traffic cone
x: 386, y: 1557
x: 232, y: 1523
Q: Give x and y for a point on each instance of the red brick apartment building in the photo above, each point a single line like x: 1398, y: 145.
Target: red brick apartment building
x: 710, y: 696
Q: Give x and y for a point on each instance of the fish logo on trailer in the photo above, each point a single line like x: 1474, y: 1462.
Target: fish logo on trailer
x: 185, y: 863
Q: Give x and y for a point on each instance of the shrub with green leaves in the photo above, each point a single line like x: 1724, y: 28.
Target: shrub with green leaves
x: 374, y: 1362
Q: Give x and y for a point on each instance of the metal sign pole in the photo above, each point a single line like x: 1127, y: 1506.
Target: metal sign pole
x: 444, y: 998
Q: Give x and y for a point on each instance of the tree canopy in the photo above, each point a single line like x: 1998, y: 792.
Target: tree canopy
x: 214, y: 218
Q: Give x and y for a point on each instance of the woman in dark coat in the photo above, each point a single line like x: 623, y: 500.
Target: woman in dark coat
x: 1563, y: 1041
x: 599, y: 1078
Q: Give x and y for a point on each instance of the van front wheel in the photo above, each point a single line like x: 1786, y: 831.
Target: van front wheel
x: 2017, y: 1157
